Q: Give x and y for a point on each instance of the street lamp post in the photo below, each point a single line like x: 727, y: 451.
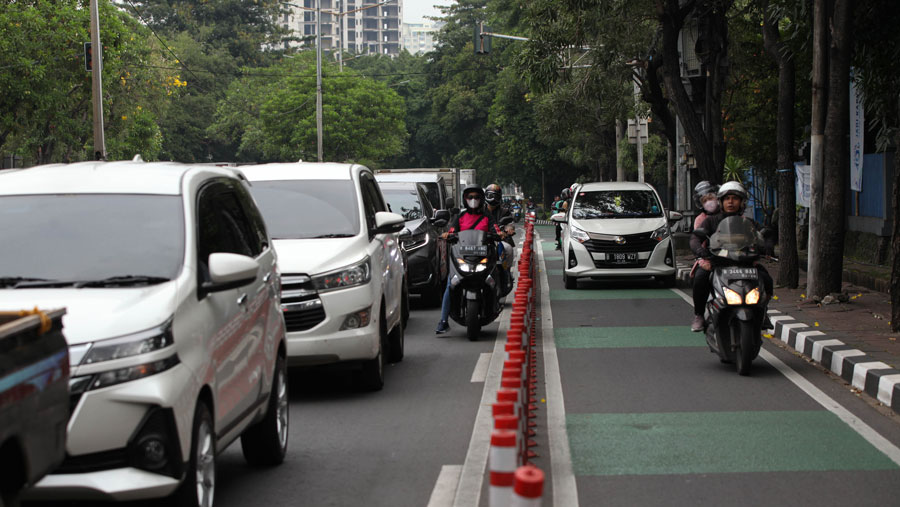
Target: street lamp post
x: 319, y: 79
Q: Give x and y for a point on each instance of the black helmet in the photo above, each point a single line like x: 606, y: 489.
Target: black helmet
x: 701, y: 189
x: 493, y: 194
x: 564, y: 194
x: 472, y: 189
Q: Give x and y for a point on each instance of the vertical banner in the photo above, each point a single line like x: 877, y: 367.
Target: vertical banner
x: 857, y: 136
x: 803, y: 184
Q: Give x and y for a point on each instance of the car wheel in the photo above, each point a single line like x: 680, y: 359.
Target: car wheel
x: 570, y: 281
x: 265, y: 443
x: 199, y: 486
x: 395, y: 342
x: 371, y: 377
x: 404, y: 305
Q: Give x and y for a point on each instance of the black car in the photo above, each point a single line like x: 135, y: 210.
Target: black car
x: 421, y: 239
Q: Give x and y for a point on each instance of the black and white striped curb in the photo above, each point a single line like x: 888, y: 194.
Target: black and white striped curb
x: 875, y: 378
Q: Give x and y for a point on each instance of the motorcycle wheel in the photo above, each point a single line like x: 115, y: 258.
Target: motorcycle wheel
x: 473, y: 324
x: 743, y: 331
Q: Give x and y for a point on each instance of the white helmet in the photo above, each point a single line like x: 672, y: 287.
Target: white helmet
x: 733, y: 188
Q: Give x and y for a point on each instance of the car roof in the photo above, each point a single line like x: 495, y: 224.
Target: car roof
x: 101, y: 177
x: 411, y: 177
x: 398, y: 185
x: 614, y: 185
x: 280, y: 171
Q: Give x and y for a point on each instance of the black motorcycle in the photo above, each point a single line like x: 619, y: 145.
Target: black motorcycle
x: 737, y: 305
x: 474, y: 290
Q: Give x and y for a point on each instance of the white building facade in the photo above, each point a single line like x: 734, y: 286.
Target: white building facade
x: 418, y: 38
x: 359, y: 27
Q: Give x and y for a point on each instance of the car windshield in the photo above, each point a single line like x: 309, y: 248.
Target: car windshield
x: 88, y: 237
x: 616, y: 204
x: 404, y: 202
x: 303, y: 209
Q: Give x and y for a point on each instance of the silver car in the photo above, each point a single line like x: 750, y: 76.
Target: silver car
x: 174, y: 326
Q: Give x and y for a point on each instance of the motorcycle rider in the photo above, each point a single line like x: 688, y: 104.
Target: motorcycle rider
x: 558, y: 207
x: 493, y: 197
x: 474, y: 216
x: 732, y: 197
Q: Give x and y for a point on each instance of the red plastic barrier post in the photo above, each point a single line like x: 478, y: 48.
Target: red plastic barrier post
x: 528, y: 487
x: 502, y: 462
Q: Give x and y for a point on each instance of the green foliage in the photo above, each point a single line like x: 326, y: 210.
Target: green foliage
x: 46, y: 103
x: 735, y: 169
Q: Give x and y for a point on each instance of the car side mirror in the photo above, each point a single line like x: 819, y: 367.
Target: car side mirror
x: 229, y: 271
x: 440, y: 214
x: 674, y: 216
x: 405, y: 234
x: 388, y: 223
x: 559, y: 218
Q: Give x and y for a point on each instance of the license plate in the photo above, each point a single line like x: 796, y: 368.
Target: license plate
x: 473, y: 250
x: 739, y: 273
x: 624, y: 258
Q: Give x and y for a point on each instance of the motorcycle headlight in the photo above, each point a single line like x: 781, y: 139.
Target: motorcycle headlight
x: 414, y: 242
x: 578, y: 234
x: 660, y: 234
x: 350, y: 276
x: 752, y: 297
x: 480, y: 267
x: 132, y: 345
x: 732, y: 297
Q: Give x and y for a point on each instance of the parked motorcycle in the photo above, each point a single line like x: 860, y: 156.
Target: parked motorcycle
x: 737, y: 305
x: 474, y: 290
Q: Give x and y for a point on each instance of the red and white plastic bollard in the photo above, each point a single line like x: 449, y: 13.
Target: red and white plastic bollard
x: 528, y: 487
x: 502, y: 462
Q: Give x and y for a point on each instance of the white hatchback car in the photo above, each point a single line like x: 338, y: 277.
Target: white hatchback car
x: 344, y: 291
x: 175, y: 334
x: 617, y: 229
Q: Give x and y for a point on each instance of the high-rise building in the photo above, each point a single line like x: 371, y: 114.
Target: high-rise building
x: 360, y: 27
x: 418, y: 38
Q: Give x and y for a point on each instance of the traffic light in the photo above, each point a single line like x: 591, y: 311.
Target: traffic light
x: 88, y: 57
x: 482, y: 41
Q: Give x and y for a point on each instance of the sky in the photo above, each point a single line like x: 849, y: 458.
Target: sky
x: 415, y: 11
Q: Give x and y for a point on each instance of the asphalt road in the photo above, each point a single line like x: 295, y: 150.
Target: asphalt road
x: 653, y: 418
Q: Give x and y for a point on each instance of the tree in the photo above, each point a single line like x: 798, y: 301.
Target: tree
x: 788, y: 266
x: 875, y: 58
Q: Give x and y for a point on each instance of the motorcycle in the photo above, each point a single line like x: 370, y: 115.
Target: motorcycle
x: 737, y: 305
x: 474, y: 289
x: 517, y: 212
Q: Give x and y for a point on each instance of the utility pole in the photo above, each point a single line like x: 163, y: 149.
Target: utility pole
x: 638, y: 131
x: 319, y: 79
x: 817, y: 138
x: 97, y: 83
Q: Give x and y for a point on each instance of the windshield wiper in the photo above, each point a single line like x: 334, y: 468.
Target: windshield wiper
x: 7, y: 281
x: 332, y: 236
x: 121, y: 280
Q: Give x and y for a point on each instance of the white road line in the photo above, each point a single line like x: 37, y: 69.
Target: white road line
x: 866, y: 431
x: 565, y: 491
x: 468, y: 491
x: 481, y: 367
x: 445, y: 487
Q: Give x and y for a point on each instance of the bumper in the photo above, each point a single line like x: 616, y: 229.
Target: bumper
x: 586, y: 262
x: 120, y: 485
x: 326, y: 342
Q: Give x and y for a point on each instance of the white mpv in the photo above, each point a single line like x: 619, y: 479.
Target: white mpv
x: 344, y: 292
x: 176, y: 339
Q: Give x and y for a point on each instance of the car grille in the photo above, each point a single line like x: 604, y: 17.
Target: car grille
x: 633, y: 243
x: 641, y: 263
x: 300, y: 303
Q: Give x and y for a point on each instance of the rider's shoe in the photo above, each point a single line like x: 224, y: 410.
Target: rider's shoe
x: 442, y: 327
x: 697, y: 324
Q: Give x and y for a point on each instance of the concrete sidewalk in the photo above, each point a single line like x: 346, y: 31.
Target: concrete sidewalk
x: 850, y: 339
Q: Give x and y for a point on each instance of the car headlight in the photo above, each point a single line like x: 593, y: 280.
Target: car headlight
x: 132, y: 345
x: 350, y: 276
x: 660, y: 234
x: 752, y: 297
x: 732, y: 297
x: 578, y: 234
x: 414, y: 242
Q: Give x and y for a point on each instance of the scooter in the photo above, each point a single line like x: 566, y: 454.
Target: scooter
x: 737, y: 305
x: 474, y: 289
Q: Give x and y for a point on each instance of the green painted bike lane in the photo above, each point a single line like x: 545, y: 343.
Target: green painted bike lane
x: 654, y: 419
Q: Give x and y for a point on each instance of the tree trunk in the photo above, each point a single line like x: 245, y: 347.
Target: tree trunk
x: 895, y: 240
x: 788, y: 266
x: 671, y: 18
x: 830, y: 238
x: 817, y: 142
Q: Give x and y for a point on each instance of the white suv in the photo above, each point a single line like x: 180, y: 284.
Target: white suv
x: 617, y: 229
x: 344, y: 292
x: 176, y: 339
